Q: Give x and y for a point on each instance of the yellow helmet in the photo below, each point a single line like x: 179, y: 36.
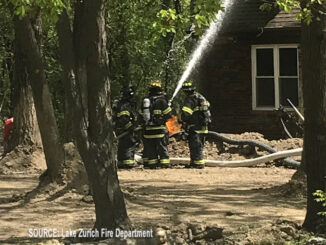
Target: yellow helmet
x: 156, y: 84
x: 188, y: 86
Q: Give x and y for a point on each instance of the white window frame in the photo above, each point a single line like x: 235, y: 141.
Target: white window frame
x: 276, y: 76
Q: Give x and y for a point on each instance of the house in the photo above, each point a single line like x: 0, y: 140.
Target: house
x: 251, y: 69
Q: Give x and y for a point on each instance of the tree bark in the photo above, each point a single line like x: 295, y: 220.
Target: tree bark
x: 25, y: 129
x: 313, y: 44
x: 53, y: 149
x: 94, y: 133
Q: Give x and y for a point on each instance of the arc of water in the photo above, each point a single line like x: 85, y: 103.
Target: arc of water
x: 209, y: 36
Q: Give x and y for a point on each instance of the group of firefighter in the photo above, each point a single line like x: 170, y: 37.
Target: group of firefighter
x: 151, y: 120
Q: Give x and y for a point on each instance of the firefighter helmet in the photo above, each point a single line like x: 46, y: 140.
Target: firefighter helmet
x: 128, y: 91
x: 188, y: 86
x: 155, y: 86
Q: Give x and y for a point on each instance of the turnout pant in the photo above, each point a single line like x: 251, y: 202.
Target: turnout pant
x: 196, y: 143
x: 145, y: 151
x: 158, y: 151
x: 126, y: 149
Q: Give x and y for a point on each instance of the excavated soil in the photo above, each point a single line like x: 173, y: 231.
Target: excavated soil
x: 252, y: 205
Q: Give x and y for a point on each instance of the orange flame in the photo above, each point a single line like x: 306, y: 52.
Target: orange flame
x: 172, y: 125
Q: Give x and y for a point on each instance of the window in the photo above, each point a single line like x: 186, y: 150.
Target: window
x: 274, y: 76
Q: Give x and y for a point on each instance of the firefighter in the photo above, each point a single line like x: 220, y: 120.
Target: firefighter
x: 155, y: 112
x: 195, y: 119
x: 125, y: 115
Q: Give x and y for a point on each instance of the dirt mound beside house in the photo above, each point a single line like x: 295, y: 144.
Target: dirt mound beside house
x: 213, y: 150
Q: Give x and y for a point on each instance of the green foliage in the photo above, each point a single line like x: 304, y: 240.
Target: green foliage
x: 51, y: 8
x: 320, y: 197
x: 305, y: 13
x: 148, y: 41
x: 168, y: 20
x: 6, y: 60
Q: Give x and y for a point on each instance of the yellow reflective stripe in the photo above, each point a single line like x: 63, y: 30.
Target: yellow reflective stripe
x: 152, y: 161
x: 202, y: 161
x: 187, y: 84
x: 154, y: 127
x: 154, y: 136
x: 123, y: 113
x: 205, y: 103
x: 140, y: 112
x: 157, y: 112
x: 145, y: 159
x: 202, y: 131
x: 129, y: 161
x: 128, y: 125
x: 165, y: 161
x: 187, y: 109
x: 167, y: 110
x: 196, y: 108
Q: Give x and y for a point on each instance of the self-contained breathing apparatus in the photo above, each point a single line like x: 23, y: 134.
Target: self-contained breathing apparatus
x: 150, y: 116
x: 204, y: 108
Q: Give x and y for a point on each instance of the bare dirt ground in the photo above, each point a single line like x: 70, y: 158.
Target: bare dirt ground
x: 248, y: 203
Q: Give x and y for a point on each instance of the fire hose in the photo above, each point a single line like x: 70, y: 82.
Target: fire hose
x: 248, y: 162
x: 242, y: 163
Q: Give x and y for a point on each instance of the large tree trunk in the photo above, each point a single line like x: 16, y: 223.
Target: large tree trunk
x: 25, y: 130
x: 313, y: 45
x: 53, y: 149
x: 94, y: 135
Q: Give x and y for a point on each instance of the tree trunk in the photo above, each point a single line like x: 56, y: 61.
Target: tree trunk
x: 94, y: 134
x: 25, y: 129
x: 314, y: 94
x: 100, y: 163
x: 53, y: 149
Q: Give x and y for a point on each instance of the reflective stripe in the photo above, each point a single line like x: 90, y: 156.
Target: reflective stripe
x: 152, y: 161
x: 129, y: 161
x: 196, y: 108
x: 128, y: 125
x: 167, y: 110
x: 140, y: 112
x: 205, y: 103
x: 202, y: 161
x: 187, y: 84
x: 157, y: 112
x: 187, y: 109
x: 165, y: 161
x: 154, y: 136
x: 155, y: 127
x: 127, y: 113
x: 202, y: 131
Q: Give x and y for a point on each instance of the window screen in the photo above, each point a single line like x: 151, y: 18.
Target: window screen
x: 288, y: 62
x: 265, y: 92
x: 288, y: 90
x: 265, y: 62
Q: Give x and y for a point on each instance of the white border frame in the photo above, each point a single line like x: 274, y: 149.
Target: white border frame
x: 275, y: 48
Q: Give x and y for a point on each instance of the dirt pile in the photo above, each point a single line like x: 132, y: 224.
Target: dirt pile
x: 23, y: 160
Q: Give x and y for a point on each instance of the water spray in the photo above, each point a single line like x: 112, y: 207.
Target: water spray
x: 209, y: 36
